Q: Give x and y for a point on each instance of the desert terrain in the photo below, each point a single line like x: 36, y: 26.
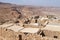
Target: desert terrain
x: 12, y: 11
x: 27, y: 22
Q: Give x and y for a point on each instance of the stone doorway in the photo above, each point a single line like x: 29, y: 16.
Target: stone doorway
x: 42, y: 33
x: 20, y: 37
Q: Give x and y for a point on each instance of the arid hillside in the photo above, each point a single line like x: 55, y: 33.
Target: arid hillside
x: 13, y: 12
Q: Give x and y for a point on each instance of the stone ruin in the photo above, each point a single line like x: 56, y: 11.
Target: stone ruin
x: 33, y: 28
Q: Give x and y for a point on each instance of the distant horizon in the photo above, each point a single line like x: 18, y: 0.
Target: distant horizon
x: 43, y: 3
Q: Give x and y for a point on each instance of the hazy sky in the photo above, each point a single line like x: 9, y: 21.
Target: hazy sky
x: 34, y: 2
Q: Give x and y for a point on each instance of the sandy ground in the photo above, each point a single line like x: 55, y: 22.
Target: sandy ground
x: 1, y: 38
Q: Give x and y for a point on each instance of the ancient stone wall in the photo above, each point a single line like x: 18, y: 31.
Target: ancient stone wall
x: 8, y: 34
x: 53, y: 34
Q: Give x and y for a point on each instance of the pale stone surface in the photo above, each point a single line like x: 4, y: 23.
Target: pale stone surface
x: 52, y: 27
x: 30, y: 30
x: 6, y: 25
x: 15, y: 28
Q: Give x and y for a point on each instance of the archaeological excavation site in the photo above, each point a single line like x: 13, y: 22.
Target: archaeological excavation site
x: 29, y: 22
